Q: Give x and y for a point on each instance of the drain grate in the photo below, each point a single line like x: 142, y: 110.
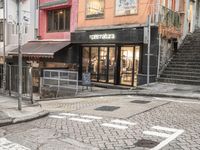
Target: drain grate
x: 146, y: 143
x: 107, y: 108
x: 140, y: 102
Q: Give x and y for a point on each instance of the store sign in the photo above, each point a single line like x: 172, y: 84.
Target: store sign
x: 104, y: 36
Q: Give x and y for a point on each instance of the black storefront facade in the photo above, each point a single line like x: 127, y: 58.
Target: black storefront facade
x: 116, y: 56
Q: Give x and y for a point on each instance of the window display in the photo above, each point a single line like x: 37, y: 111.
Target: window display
x: 94, y: 8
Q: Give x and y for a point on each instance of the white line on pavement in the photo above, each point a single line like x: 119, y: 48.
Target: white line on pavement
x: 168, y: 140
x: 152, y: 133
x: 114, y: 126
x: 67, y: 114
x: 165, y: 129
x: 92, y: 117
x: 80, y: 120
x: 123, y: 122
x: 57, y: 117
x: 8, y: 145
x: 176, y: 101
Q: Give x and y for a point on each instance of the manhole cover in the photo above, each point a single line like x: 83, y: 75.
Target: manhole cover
x: 146, y: 143
x: 107, y: 108
x: 140, y: 102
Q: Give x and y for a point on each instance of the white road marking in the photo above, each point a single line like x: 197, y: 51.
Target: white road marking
x: 123, y: 122
x: 92, y: 117
x: 169, y: 137
x: 57, y: 117
x: 80, y: 120
x: 114, y: 126
x: 8, y: 145
x: 67, y: 114
x: 168, y: 140
x: 164, y: 129
x: 176, y: 101
x: 152, y: 133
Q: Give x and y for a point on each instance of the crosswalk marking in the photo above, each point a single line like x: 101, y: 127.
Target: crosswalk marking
x: 169, y: 137
x: 164, y: 135
x: 67, y: 114
x: 164, y: 129
x: 57, y: 117
x: 91, y: 117
x: 114, y: 126
x: 122, y: 122
x: 81, y: 120
x: 8, y: 145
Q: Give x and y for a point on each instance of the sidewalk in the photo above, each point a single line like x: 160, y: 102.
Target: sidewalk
x: 9, y: 113
x: 154, y: 89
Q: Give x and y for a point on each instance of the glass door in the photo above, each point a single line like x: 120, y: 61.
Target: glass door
x: 111, y: 65
x: 136, y: 65
x: 94, y: 63
x: 126, y: 65
x: 103, y: 64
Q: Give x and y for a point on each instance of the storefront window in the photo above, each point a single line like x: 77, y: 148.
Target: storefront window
x: 94, y: 63
x: 85, y: 60
x: 94, y: 8
x: 111, y: 71
x: 103, y: 70
x: 58, y: 20
x: 126, y: 7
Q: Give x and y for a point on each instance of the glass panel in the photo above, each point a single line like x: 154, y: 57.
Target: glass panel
x: 85, y: 63
x: 103, y: 64
x: 49, y: 19
x: 61, y: 19
x: 136, y: 64
x: 126, y: 65
x: 111, y: 71
x: 56, y: 14
x: 94, y: 63
x: 67, y: 20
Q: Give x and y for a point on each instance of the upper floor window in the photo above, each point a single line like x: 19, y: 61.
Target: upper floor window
x: 95, y: 8
x: 1, y: 30
x: 126, y: 7
x: 58, y: 20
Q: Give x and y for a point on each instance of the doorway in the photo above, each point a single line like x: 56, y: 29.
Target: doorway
x: 129, y: 65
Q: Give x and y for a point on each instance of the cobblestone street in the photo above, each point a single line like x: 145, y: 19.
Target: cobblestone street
x: 172, y: 125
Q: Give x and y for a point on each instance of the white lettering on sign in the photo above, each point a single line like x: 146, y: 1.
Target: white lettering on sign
x: 104, y: 36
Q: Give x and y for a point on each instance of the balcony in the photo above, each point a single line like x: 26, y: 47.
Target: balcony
x: 169, y: 21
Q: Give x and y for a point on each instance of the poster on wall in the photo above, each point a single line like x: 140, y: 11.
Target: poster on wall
x: 95, y: 8
x: 126, y: 7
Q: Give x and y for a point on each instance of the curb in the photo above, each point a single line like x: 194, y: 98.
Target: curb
x: 24, y: 119
x: 118, y: 94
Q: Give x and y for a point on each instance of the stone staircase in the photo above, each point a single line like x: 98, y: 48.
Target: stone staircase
x: 184, y: 68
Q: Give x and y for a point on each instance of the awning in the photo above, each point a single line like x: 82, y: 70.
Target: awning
x: 48, y: 5
x: 45, y: 49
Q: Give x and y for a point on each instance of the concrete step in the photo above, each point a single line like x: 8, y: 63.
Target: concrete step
x: 185, y: 73
x: 179, y: 81
x: 184, y: 63
x: 182, y: 69
x: 184, y: 66
x: 175, y: 76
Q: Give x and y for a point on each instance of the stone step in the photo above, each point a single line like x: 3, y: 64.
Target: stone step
x: 182, y: 69
x: 179, y: 81
x: 185, y: 62
x: 181, y: 60
x: 184, y: 66
x: 175, y: 76
x: 185, y: 73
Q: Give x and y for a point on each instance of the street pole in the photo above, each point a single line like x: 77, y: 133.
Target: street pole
x: 4, y: 47
x: 148, y: 52
x: 19, y: 55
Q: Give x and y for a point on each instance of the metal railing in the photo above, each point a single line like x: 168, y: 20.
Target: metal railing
x: 60, y: 80
x: 165, y: 16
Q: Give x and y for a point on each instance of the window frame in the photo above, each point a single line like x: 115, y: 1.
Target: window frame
x: 66, y: 11
x: 1, y: 29
x: 94, y: 17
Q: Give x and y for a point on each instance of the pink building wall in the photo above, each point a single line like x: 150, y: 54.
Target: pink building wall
x: 73, y: 4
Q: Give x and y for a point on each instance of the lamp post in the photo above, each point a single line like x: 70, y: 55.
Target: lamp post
x: 19, y: 55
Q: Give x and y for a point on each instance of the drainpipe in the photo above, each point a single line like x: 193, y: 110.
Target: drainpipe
x: 148, y: 52
x: 158, y: 68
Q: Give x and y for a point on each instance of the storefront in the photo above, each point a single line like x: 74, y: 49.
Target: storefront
x: 111, y: 56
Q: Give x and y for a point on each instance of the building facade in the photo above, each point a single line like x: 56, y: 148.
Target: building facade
x: 112, y: 37
x: 28, y: 23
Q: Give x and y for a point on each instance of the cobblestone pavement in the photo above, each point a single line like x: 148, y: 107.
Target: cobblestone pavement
x: 173, y: 126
